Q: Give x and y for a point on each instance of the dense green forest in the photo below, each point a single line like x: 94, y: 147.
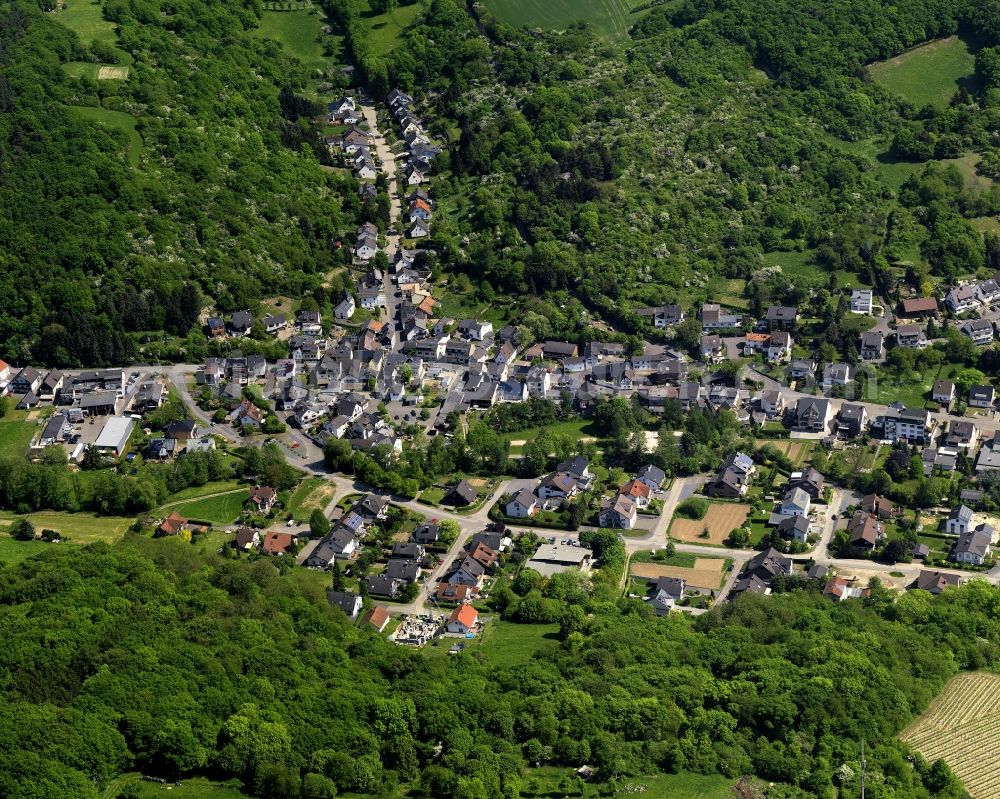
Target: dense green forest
x: 145, y: 657
x: 226, y: 201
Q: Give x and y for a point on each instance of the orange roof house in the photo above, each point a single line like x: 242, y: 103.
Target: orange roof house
x: 276, y: 543
x: 174, y: 524
x: 637, y: 490
x: 377, y: 617
x: 463, y: 619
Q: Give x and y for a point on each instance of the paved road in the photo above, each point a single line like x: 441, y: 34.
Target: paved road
x: 387, y: 160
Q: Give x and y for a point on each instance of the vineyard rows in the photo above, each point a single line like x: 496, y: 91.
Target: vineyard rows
x: 962, y: 726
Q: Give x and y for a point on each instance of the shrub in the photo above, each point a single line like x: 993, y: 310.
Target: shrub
x: 693, y: 508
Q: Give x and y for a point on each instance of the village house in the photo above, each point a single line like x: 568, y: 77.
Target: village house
x: 262, y: 498
x: 988, y: 291
x: 911, y: 424
x: 246, y: 539
x: 274, y: 322
x: 779, y: 347
x: 981, y: 397
x: 618, y: 512
x: 809, y: 480
x: 522, y: 505
x: 812, y: 414
x: 640, y: 493
x: 462, y: 620
x: 872, y: 346
x: 801, y: 369
x: 712, y: 348
x: 348, y: 602
x: 935, y: 581
x: 772, y: 404
x: 174, y: 524
x: 911, y: 337
x: 973, y: 546
x: 241, y: 323
x: 861, y: 301
x: 652, y: 476
x: 781, y: 317
x: 865, y: 531
x: 961, y: 435
x: 795, y: 527
x: 943, y: 392
x: 277, y: 543
x: 979, y: 330
x: 714, y: 318
x: 961, y: 298
x: 878, y: 506
x: 837, y: 375
x: 852, y: 420
x: 666, y: 592
x: 959, y: 520
x: 796, y: 502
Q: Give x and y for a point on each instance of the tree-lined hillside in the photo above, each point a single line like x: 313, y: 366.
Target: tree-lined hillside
x: 226, y: 203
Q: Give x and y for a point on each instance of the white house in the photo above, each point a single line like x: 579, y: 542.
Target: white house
x: 522, y: 505
x: 979, y: 330
x: 861, y: 301
x: 988, y: 292
x: 961, y: 298
x: 346, y: 308
x: 463, y: 619
x: 795, y: 503
x: 959, y: 520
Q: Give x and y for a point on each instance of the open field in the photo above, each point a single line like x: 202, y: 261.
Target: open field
x: 609, y: 18
x: 720, y: 520
x: 986, y: 224
x: 706, y: 573
x: 82, y: 528
x: 579, y: 429
x: 114, y: 119
x: 220, y: 509
x: 87, y: 19
x: 313, y: 493
x: 795, y: 451
x: 386, y: 29
x: 197, y: 492
x: 15, y: 435
x: 298, y: 33
x: 966, y: 165
x: 961, y: 726
x: 192, y: 788
x: 504, y: 643
x: 929, y: 74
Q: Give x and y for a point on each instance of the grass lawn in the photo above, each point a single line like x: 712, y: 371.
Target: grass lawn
x: 15, y: 435
x: 913, y: 390
x: 196, y: 788
x: 683, y: 559
x: 462, y: 306
x: 504, y: 643
x: 386, y: 29
x: 432, y: 495
x: 298, y: 33
x: 114, y: 119
x: 222, y: 509
x: 87, y: 19
x: 608, y: 18
x: 929, y: 74
x: 966, y: 165
x: 196, y: 492
x: 13, y: 552
x: 313, y: 493
x: 82, y: 528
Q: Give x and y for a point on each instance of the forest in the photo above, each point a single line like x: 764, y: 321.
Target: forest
x: 226, y: 204
x: 158, y: 661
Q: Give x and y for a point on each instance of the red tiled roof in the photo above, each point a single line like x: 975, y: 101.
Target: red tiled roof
x: 276, y: 543
x: 173, y: 524
x: 464, y: 614
x: 377, y: 617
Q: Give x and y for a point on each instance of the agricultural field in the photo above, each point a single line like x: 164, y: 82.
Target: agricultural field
x: 114, y: 119
x: 961, y: 726
x: 609, y: 18
x: 298, y: 32
x: 929, y: 74
x: 720, y: 520
x: 707, y: 573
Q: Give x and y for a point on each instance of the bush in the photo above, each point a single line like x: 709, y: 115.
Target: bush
x: 693, y: 508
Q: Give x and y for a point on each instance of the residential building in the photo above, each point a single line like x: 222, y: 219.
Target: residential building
x: 554, y: 558
x: 262, y: 498
x: 982, y: 397
x: 619, y: 512
x: 798, y: 370
x: 522, y: 505
x: 348, y: 602
x: 653, y: 476
x: 935, y: 581
x: 919, y: 306
x: 861, y: 301
x: 911, y: 337
x: 538, y: 381
x: 781, y: 317
x: 772, y: 403
x: 912, y: 424
x: 114, y: 435
x: 872, y: 346
x: 463, y: 619
x: 246, y: 539
x: 961, y: 298
x: 713, y: 317
x: 865, y: 531
x: 779, y: 347
x: 809, y: 480
x: 666, y: 592
x: 878, y: 506
x: 796, y: 502
x: 979, y: 330
x: 813, y: 414
x: 959, y: 520
x: 174, y: 524
x: 837, y: 374
x: 973, y: 546
x: 712, y: 348
x: 378, y: 618
x: 794, y: 527
x: 765, y: 566
x: 852, y: 420
x: 346, y: 308
x: 638, y: 492
x: 988, y: 292
x: 943, y: 393
x: 961, y: 435
x: 277, y: 543
x: 840, y: 588
x: 989, y: 456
